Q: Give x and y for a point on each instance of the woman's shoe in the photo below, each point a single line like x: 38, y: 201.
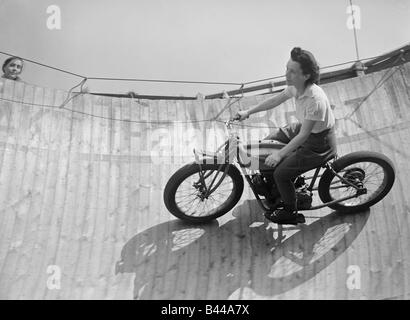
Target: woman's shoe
x: 283, y: 216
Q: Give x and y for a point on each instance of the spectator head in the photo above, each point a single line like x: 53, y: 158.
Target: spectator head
x: 12, y: 68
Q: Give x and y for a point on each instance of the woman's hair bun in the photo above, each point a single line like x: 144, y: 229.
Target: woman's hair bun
x: 297, y: 51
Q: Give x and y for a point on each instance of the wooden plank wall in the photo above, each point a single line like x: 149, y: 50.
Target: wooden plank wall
x: 82, y: 217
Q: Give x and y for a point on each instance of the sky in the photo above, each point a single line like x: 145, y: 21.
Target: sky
x: 208, y: 40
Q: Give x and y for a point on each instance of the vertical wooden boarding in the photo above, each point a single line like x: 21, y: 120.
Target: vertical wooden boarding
x: 164, y: 151
x: 154, y: 164
x: 77, y: 125
x: 395, y: 89
x: 398, y: 204
x: 178, y: 128
x: 185, y: 133
x: 106, y: 197
x: 371, y: 115
x: 144, y: 166
x: 119, y: 210
x: 341, y: 112
x: 43, y: 118
x: 382, y: 96
x: 9, y: 118
x: 395, y: 148
x: 64, y: 184
x: 336, y: 103
x: 184, y: 279
x: 137, y: 128
x: 166, y: 116
x: 10, y: 183
x: 144, y: 152
x: 10, y: 115
x: 359, y: 116
x: 383, y: 144
x: 44, y: 255
x: 89, y: 202
x: 119, y: 170
x: 147, y: 269
x: 393, y: 252
x: 167, y: 149
x: 173, y: 139
x: 179, y: 160
x: 160, y: 260
x: 93, y: 240
x: 348, y: 128
x: 121, y: 287
x: 26, y: 162
x: 135, y: 218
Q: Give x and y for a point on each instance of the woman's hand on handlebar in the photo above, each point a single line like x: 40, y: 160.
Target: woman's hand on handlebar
x: 241, y: 115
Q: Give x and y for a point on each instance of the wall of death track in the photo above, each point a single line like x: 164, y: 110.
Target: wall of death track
x: 82, y: 217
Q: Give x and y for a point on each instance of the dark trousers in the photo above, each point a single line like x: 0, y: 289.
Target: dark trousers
x: 314, y: 152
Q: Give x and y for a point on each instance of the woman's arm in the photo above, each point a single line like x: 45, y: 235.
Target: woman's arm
x: 305, y: 130
x: 265, y: 105
x: 297, y: 141
x: 269, y: 104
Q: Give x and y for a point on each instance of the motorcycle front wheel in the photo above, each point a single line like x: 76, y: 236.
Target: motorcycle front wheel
x: 185, y: 194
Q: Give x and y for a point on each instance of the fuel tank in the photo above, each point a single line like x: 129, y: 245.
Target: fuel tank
x: 258, y: 151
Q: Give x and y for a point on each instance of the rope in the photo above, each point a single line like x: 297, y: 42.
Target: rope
x: 174, y: 81
x: 229, y: 104
x: 383, y: 79
x: 102, y: 117
x: 68, y: 99
x: 44, y: 65
x: 214, y: 119
x: 167, y: 81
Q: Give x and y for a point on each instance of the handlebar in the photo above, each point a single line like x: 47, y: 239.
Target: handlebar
x: 230, y: 121
x: 236, y: 118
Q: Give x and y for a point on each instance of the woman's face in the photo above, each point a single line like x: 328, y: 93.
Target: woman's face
x: 294, y: 74
x: 13, y: 69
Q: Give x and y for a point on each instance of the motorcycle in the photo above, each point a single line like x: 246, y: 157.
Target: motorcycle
x: 212, y: 185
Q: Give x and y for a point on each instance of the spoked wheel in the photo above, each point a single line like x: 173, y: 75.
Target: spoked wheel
x: 369, y: 171
x: 188, y: 198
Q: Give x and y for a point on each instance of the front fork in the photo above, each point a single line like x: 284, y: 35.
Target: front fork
x: 208, y: 190
x: 237, y: 151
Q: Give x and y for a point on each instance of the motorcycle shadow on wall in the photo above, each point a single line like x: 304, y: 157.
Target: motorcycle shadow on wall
x: 243, y: 257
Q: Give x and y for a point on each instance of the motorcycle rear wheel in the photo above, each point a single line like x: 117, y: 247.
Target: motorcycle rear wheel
x: 367, y: 169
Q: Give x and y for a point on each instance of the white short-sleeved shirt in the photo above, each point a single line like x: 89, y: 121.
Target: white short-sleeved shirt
x: 313, y: 104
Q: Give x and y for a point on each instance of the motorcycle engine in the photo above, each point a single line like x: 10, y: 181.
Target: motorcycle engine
x: 259, y: 184
x: 304, y: 197
x: 264, y: 185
